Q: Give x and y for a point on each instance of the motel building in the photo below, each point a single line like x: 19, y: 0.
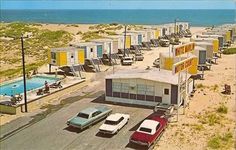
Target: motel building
x: 148, y: 87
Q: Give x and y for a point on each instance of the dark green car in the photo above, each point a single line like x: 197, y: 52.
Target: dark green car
x: 89, y: 116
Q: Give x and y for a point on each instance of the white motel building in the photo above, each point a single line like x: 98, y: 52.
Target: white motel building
x: 147, y: 87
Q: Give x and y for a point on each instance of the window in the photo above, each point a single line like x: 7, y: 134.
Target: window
x: 96, y: 113
x: 125, y: 87
x: 110, y: 122
x: 122, y: 118
x: 166, y: 91
x: 158, y: 126
x: 116, y: 87
x: 53, y: 55
x: 91, y: 50
x: 150, y: 90
x: 83, y: 115
x: 141, y: 89
x: 145, y: 129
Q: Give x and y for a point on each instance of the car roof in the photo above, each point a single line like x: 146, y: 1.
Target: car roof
x: 114, y: 117
x: 89, y: 110
x: 149, y: 124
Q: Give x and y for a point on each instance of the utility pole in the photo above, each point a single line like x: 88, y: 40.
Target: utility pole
x: 125, y: 40
x: 23, y: 65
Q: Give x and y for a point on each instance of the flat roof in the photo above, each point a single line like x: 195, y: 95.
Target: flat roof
x: 164, y: 76
x: 64, y: 48
x: 85, y: 44
x: 102, y: 40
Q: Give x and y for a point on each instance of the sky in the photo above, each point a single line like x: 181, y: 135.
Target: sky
x: 117, y: 4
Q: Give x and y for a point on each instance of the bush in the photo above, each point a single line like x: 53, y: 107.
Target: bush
x: 210, y: 119
x: 222, y: 109
x: 229, y: 51
x: 224, y: 141
x: 200, y: 85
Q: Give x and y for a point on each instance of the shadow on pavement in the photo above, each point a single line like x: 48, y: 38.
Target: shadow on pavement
x: 72, y: 129
x: 99, y: 134
x: 136, y: 147
x: 101, y: 100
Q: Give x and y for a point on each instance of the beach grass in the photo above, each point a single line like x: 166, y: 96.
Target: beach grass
x: 224, y: 141
x: 37, y: 46
x: 229, y: 51
x: 222, y: 109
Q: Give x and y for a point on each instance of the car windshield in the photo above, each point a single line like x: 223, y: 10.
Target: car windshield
x: 145, y: 130
x: 109, y: 122
x: 82, y: 115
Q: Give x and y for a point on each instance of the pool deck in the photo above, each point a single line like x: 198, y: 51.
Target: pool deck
x: 32, y: 95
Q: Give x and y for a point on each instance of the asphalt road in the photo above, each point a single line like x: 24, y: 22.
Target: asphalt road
x: 52, y: 132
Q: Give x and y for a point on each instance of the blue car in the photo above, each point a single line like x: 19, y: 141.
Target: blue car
x: 89, y: 116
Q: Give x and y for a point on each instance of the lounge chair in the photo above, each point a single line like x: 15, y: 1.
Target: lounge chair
x: 16, y: 99
x: 40, y: 92
x: 47, y: 89
x: 56, y: 85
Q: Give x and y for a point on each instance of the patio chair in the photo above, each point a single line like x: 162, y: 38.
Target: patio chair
x: 40, y: 92
x: 56, y: 85
x: 47, y: 89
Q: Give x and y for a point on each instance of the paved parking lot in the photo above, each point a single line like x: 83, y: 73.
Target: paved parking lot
x: 53, y: 133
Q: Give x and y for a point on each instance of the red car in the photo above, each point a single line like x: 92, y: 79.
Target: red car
x: 150, y: 130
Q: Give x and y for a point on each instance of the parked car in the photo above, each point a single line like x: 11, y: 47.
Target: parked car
x: 139, y: 57
x: 150, y: 130
x: 164, y: 43
x: 89, y: 116
x: 114, y: 123
x: 126, y: 60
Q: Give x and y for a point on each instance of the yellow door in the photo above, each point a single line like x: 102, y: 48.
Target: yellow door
x: 81, y: 56
x: 62, y: 58
x: 128, y: 41
x: 228, y: 36
x: 216, y: 45
x: 193, y: 69
x: 49, y: 57
x: 168, y: 63
x: 157, y: 33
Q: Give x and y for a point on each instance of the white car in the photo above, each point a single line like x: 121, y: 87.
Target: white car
x: 114, y: 123
x: 126, y: 60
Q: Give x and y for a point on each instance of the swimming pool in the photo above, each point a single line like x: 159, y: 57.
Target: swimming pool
x: 17, y: 87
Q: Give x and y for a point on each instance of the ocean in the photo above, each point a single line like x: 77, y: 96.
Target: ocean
x: 195, y: 17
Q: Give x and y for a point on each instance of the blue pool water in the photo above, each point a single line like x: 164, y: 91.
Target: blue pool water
x: 17, y: 87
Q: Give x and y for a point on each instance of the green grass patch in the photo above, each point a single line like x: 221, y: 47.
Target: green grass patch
x: 229, y: 51
x: 224, y: 141
x: 210, y: 118
x: 198, y: 127
x: 36, y: 47
x: 222, y: 109
x: 200, y: 86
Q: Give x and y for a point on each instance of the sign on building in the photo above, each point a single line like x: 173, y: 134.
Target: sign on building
x: 185, y: 48
x: 182, y: 65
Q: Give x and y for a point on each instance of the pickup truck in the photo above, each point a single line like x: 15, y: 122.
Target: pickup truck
x: 89, y: 116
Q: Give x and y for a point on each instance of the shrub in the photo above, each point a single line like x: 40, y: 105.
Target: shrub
x: 224, y: 141
x: 229, y: 51
x: 210, y: 119
x: 222, y: 109
x: 198, y: 127
x: 200, y: 85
